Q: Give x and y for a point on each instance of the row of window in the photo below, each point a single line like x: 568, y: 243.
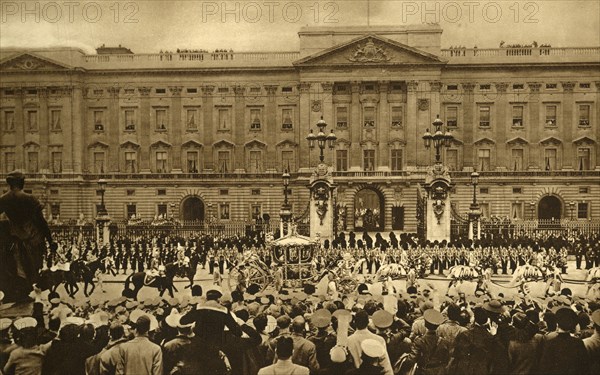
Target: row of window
x: 519, y: 210
x: 518, y: 86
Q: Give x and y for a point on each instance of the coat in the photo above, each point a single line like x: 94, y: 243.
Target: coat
x: 284, y: 367
x: 564, y: 355
x: 139, y: 356
x: 473, y: 352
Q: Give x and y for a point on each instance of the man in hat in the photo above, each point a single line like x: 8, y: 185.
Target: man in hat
x: 372, y: 351
x: 173, y: 349
x: 564, y: 354
x: 430, y: 351
x: 110, y: 354
x: 324, y: 341
x: 21, y: 262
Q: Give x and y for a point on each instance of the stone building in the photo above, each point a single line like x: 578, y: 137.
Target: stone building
x: 200, y: 134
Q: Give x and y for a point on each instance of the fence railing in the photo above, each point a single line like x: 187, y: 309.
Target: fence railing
x: 539, y: 227
x: 520, y: 51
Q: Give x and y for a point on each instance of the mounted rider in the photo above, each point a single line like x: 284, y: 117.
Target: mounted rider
x: 183, y: 261
x: 156, y: 270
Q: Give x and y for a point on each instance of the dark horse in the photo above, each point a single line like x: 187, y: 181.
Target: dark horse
x: 87, y: 272
x: 160, y: 283
x: 51, y: 280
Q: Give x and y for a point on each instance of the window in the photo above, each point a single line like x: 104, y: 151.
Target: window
x: 369, y: 87
x: 32, y: 161
x: 98, y: 120
x: 129, y: 119
x: 517, y: 190
x: 287, y: 89
x: 32, y: 120
x: 130, y: 162
x: 161, y: 192
x: 161, y: 161
x: 341, y: 116
x: 287, y: 161
x: 255, y: 119
x: 161, y: 91
x: 255, y: 161
x: 224, y: 119
x: 584, y: 85
x: 397, y: 117
x: 518, y: 86
x: 583, y: 158
x: 31, y: 92
x: 584, y: 190
x: 452, y: 87
x: 192, y: 162
x: 286, y: 119
x: 369, y: 160
x: 130, y: 192
x: 584, y: 115
x: 98, y: 162
x: 452, y: 159
x: 255, y: 90
x: 551, y: 86
x: 191, y: 116
x: 9, y: 92
x: 129, y: 91
x: 516, y: 211
x: 161, y: 119
x: 256, y: 211
x: 551, y: 115
x: 550, y: 159
x: 484, y: 116
x: 484, y: 190
x: 56, y: 162
x: 55, y: 210
x: 483, y: 156
x: 396, y: 160
x: 191, y: 90
x: 452, y: 116
x: 223, y: 192
x: 341, y: 88
x: 224, y: 162
x: 98, y: 92
x: 583, y: 209
x: 224, y: 211
x: 131, y: 210
x: 397, y: 218
x: 485, y: 87
x: 9, y: 162
x: 223, y: 90
x: 517, y: 159
x: 255, y: 192
x: 369, y: 116
x: 161, y: 210
x: 55, y: 115
x: 517, y: 118
x: 9, y: 120
x: 53, y: 191
x: 341, y: 160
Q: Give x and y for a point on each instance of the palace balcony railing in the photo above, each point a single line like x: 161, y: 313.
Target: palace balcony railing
x: 521, y: 52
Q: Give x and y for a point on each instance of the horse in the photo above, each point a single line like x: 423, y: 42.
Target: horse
x: 87, y: 273
x: 163, y: 284
x: 592, y: 279
x: 395, y: 271
x: 190, y: 271
x: 530, y: 273
x: 51, y: 280
x: 460, y: 273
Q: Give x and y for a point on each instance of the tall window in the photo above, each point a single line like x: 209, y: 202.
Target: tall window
x: 255, y: 161
x: 224, y: 211
x: 224, y: 119
x: 55, y: 210
x: 161, y: 119
x: 485, y: 209
x: 516, y: 210
x: 191, y: 118
x: 130, y: 162
x: 32, y: 161
x: 192, y: 161
x: 550, y: 159
x: 255, y: 119
x: 286, y: 119
x: 517, y: 117
x: 161, y: 161
x: 584, y: 115
x: 397, y: 117
x: 396, y: 160
x: 583, y: 158
x: 483, y: 156
x: 161, y: 210
x: 551, y: 115
x: 99, y: 162
x: 369, y: 160
x: 287, y: 161
x: 583, y: 209
x: 484, y: 116
x: 131, y: 210
x: 9, y: 120
x: 32, y: 120
x: 9, y: 162
x: 341, y: 160
x: 98, y: 120
x: 129, y: 119
x: 452, y: 116
x: 55, y: 124
x: 517, y: 159
x: 369, y: 116
x: 56, y: 162
x: 341, y: 116
x: 256, y: 211
x: 452, y: 159
x: 224, y: 162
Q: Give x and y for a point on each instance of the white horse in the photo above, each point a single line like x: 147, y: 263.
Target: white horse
x: 393, y: 271
x: 460, y: 273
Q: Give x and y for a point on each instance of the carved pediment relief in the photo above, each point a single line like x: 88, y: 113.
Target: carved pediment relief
x: 255, y: 143
x: 223, y: 143
x: 98, y: 144
x: 31, y: 62
x: 370, y: 49
x: 130, y: 144
x: 192, y: 144
x: 160, y: 144
x: 287, y: 143
x: 484, y: 141
x: 584, y: 140
x: 551, y: 141
x: 517, y: 141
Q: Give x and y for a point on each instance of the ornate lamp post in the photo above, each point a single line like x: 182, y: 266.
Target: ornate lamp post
x: 439, y: 137
x: 286, y: 210
x: 321, y: 138
x: 102, y: 218
x: 475, y: 212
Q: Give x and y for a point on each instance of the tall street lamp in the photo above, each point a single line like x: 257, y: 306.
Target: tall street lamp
x: 286, y: 211
x: 475, y: 212
x: 439, y: 138
x: 321, y: 139
x: 102, y: 189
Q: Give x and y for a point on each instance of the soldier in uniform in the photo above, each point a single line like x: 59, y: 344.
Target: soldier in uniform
x: 23, y: 260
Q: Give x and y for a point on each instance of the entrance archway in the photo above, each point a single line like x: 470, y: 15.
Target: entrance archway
x: 368, y: 210
x: 192, y: 209
x: 550, y: 208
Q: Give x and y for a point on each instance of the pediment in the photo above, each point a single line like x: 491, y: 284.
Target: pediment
x: 456, y: 141
x: 551, y: 141
x: 584, y: 140
x: 484, y: 141
x: 129, y: 144
x: 160, y: 144
x: 255, y: 143
x: 31, y: 144
x: 370, y: 50
x: 29, y: 61
x: 98, y: 144
x: 343, y: 141
x: 223, y: 143
x: 192, y: 143
x: 288, y: 143
x: 517, y: 141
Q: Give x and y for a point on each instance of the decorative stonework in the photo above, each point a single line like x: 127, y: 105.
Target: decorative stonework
x: 468, y: 87
x: 412, y: 85
x: 501, y: 86
x: 370, y: 52
x: 327, y: 87
x: 436, y: 86
x: 238, y: 90
x: 321, y: 198
x: 304, y: 86
x: 423, y: 104
x: 114, y: 91
x: 271, y: 89
x: 315, y: 106
x: 175, y: 90
x: 568, y: 86
x: 208, y: 89
x: 144, y: 90
x: 534, y: 86
x: 597, y: 83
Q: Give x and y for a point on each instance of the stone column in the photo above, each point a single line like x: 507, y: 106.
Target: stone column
x: 569, y: 149
x: 355, y: 128
x: 272, y: 127
x: 533, y: 131
x: 176, y: 126
x: 239, y: 129
x: 79, y: 127
x: 595, y: 118
x: 210, y: 127
x: 67, y: 129
x: 382, y: 128
x: 305, y: 125
x: 501, y: 122
x: 145, y: 129
x: 19, y: 129
x: 413, y: 136
x: 328, y: 115
x: 44, y: 123
x: 470, y: 124
x: 114, y: 129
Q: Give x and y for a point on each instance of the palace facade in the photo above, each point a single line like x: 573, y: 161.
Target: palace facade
x: 200, y: 135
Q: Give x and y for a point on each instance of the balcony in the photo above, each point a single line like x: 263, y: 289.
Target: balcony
x: 520, y: 55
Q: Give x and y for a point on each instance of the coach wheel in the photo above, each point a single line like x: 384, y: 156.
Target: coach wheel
x: 254, y: 275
